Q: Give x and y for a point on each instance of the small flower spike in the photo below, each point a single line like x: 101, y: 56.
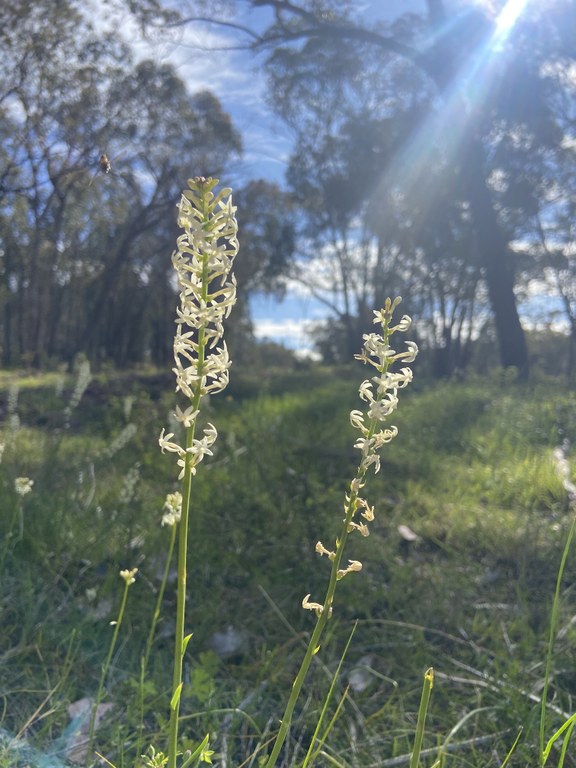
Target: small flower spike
x: 379, y: 395
x: 172, y: 509
x: 203, y: 263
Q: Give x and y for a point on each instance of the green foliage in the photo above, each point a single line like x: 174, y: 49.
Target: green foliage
x: 470, y: 473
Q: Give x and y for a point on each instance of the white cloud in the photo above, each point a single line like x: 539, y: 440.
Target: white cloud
x: 292, y: 334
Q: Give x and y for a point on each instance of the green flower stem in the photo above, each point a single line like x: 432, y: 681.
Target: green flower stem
x: 297, y: 687
x: 322, y: 619
x: 554, y: 614
x: 422, y: 712
x: 105, y: 668
x: 321, y: 622
x: 160, y: 598
x: 146, y: 658
x: 180, y: 613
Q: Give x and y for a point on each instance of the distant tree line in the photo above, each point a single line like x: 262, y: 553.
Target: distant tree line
x: 434, y: 158
x: 95, y: 148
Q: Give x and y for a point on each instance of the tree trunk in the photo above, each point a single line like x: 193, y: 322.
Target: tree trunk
x: 495, y: 260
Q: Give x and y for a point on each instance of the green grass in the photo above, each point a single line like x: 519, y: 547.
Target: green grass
x: 471, y: 473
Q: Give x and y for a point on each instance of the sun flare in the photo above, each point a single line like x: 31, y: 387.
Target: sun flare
x: 508, y: 16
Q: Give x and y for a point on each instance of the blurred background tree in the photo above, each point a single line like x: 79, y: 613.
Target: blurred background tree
x: 432, y: 158
x: 94, y: 151
x: 425, y: 147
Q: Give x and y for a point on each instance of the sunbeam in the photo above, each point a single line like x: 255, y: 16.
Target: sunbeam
x: 508, y: 16
x: 462, y: 103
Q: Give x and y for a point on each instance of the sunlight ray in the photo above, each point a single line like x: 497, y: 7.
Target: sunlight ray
x: 462, y: 102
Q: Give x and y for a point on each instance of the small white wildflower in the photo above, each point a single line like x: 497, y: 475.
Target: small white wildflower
x: 353, y: 567
x: 310, y: 606
x: 356, y: 485
x: 380, y: 409
x: 23, y: 485
x: 82, y: 381
x: 172, y: 509
x: 366, y: 391
x: 12, y: 404
x: 128, y: 576
x: 368, y: 513
x: 186, y: 417
x: 127, y: 404
x: 403, y: 325
x: 321, y: 550
x: 362, y: 528
x: 167, y: 445
x: 410, y: 355
x: 357, y: 420
x: 203, y: 262
x: 563, y: 470
x: 384, y: 436
x: 381, y: 396
x: 2, y: 448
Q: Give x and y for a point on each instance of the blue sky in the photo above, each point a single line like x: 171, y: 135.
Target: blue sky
x: 204, y: 59
x: 236, y: 77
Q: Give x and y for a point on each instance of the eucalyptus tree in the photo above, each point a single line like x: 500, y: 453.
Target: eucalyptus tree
x: 478, y: 82
x: 94, y: 149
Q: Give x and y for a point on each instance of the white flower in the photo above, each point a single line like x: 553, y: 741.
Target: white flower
x: 172, y: 509
x: 353, y: 566
x: 410, y: 355
x: 362, y: 528
x: 203, y: 261
x: 167, y: 445
x: 310, y: 606
x: 128, y: 576
x: 357, y: 421
x: 321, y: 550
x: 366, y: 391
x: 23, y: 485
x: 403, y: 325
x: 379, y: 409
x: 186, y: 417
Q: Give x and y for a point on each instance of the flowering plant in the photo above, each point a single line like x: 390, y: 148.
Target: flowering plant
x: 380, y: 393
x: 203, y: 263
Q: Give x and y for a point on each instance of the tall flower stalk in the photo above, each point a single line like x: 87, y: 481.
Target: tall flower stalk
x: 380, y: 396
x: 203, y: 263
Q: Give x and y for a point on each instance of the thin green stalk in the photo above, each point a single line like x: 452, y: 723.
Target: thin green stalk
x: 312, y: 749
x: 565, y: 728
x: 8, y: 538
x: 311, y: 650
x: 552, y: 634
x: 180, y: 641
x: 565, y: 745
x: 314, y: 643
x: 106, y: 665
x: 422, y: 712
x: 148, y: 649
x: 159, y: 599
x: 382, y: 402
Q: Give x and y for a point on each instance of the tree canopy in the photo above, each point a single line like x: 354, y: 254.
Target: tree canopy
x: 434, y: 139
x: 95, y: 147
x: 432, y: 158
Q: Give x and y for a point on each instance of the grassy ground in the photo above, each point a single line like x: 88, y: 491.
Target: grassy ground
x: 471, y: 474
